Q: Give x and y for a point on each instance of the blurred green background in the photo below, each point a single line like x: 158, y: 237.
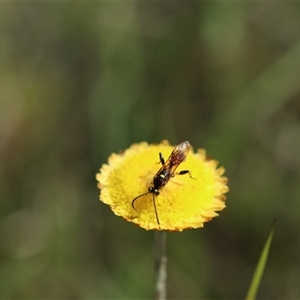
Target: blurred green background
x: 82, y: 80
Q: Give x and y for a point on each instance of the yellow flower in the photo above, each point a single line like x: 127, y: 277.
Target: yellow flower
x: 184, y: 202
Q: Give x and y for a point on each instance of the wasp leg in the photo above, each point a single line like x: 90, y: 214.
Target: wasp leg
x: 183, y: 172
x: 161, y: 159
x: 143, y: 176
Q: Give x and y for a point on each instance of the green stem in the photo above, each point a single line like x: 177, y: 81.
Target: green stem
x: 160, y: 265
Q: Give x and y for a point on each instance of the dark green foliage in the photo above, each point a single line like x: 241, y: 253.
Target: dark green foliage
x: 82, y: 80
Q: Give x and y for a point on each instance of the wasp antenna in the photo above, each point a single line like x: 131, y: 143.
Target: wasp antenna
x: 154, y: 204
x: 132, y: 203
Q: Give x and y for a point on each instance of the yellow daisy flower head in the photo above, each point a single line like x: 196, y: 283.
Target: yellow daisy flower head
x: 177, y: 193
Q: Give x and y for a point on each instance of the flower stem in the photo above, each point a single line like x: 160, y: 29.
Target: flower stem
x: 160, y: 265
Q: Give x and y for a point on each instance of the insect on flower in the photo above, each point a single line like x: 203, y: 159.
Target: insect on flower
x: 166, y: 172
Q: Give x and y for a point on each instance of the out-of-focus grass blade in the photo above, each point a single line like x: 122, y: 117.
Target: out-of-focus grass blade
x: 260, y: 266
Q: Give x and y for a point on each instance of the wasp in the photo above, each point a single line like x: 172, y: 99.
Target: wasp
x: 166, y: 172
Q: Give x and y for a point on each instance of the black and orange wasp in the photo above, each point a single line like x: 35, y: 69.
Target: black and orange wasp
x: 166, y: 172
